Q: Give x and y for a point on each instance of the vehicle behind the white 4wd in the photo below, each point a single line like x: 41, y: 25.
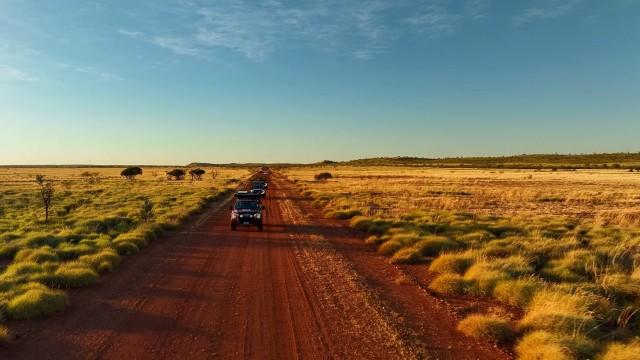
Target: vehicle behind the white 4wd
x: 246, y: 211
x: 259, y: 187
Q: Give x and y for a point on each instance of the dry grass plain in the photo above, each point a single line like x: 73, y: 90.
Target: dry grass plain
x: 599, y: 196
x: 94, y: 221
x: 564, y: 246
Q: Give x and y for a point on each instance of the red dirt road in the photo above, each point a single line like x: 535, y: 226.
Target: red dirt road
x: 301, y: 289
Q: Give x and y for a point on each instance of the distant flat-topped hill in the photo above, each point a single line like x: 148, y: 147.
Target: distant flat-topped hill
x: 611, y: 160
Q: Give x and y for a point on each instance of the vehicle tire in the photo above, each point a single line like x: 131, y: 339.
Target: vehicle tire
x: 260, y: 227
x: 233, y: 227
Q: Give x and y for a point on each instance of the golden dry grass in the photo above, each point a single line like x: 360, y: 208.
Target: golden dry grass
x: 562, y: 245
x: 601, y: 196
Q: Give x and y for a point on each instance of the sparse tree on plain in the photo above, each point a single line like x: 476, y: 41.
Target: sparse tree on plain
x: 176, y: 174
x: 46, y: 194
x: 323, y: 176
x: 91, y: 177
x: 196, y: 174
x: 131, y: 172
x: 147, y: 212
x: 214, y: 174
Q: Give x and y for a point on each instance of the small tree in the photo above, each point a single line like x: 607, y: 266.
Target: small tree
x: 214, y: 174
x: 46, y: 194
x: 131, y: 172
x: 147, y: 213
x: 176, y: 174
x: 323, y: 176
x: 196, y: 174
x: 91, y: 177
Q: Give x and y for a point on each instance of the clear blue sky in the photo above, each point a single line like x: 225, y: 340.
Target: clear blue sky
x: 175, y: 81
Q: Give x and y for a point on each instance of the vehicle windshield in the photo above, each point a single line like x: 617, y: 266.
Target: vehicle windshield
x: 246, y: 205
x: 257, y: 185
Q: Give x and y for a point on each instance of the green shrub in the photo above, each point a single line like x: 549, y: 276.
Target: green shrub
x: 452, y: 263
x: 38, y: 255
x: 619, y: 351
x: 517, y: 292
x: 486, y: 326
x: 452, y: 284
x: 409, y: 255
x: 37, y: 300
x: 73, y: 274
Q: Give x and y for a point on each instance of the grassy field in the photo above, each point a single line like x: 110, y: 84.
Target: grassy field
x: 561, y: 245
x: 96, y: 218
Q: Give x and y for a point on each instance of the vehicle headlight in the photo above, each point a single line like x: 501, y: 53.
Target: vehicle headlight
x: 234, y: 214
x: 258, y: 215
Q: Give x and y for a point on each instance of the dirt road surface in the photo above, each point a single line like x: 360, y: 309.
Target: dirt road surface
x: 304, y: 288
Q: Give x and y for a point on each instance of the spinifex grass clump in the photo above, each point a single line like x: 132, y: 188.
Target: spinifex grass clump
x: 73, y: 274
x: 621, y: 351
x: 35, y: 300
x: 485, y: 326
x: 456, y: 263
x: 451, y: 284
x: 549, y: 345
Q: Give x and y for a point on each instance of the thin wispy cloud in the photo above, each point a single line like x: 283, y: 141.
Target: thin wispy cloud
x: 12, y: 74
x: 435, y: 20
x: 176, y: 44
x: 477, y: 9
x: 358, y: 28
x: 131, y: 34
x: 546, y: 9
x: 90, y: 72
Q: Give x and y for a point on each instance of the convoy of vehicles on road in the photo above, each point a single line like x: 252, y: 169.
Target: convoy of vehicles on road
x: 247, y: 208
x: 259, y: 187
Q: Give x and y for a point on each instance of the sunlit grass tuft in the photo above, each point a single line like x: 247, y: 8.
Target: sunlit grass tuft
x: 452, y: 284
x: 36, y: 300
x: 489, y: 327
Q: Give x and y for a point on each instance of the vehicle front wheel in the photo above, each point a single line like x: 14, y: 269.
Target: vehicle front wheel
x: 260, y: 227
x: 233, y: 227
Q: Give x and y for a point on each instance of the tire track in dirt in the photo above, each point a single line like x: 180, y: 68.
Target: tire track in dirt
x: 343, y: 296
